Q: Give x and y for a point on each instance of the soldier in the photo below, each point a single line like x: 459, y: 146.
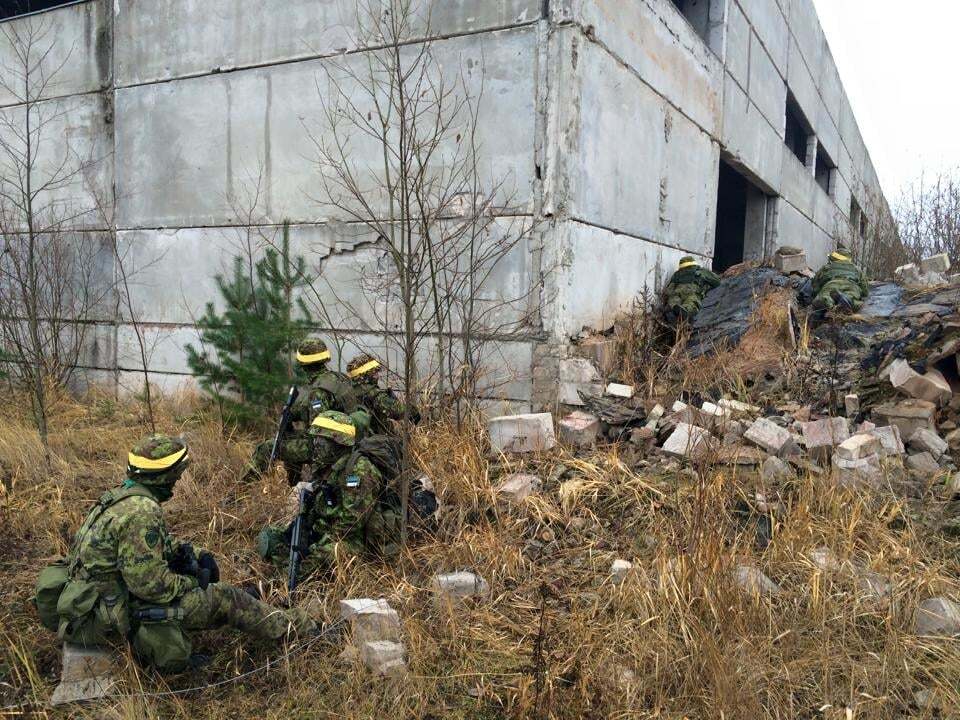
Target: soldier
x: 351, y: 508
x: 121, y: 585
x: 689, y: 285
x: 326, y: 390
x: 840, y: 283
x: 385, y: 408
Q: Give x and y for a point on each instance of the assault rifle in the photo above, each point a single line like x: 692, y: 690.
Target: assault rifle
x: 284, y: 426
x: 298, y: 534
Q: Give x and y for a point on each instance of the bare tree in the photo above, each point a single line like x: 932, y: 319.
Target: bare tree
x: 52, y: 272
x: 928, y: 216
x: 398, y: 154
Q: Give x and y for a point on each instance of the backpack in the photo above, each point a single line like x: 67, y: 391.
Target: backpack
x: 341, y: 389
x: 384, y: 451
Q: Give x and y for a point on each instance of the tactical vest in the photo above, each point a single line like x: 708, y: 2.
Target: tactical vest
x: 86, y: 608
x: 342, y: 390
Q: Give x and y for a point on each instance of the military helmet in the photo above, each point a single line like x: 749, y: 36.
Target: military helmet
x: 335, y: 426
x: 363, y: 366
x: 842, y: 253
x: 158, y: 460
x: 312, y: 351
x: 687, y: 261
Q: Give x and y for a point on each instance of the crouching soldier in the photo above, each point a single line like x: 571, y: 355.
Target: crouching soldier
x: 117, y: 583
x: 840, y: 284
x: 384, y: 406
x: 685, y: 292
x: 326, y: 389
x: 351, y: 508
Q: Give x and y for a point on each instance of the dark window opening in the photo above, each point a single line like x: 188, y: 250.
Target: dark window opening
x: 697, y: 13
x: 728, y: 245
x: 12, y: 8
x: 855, y: 214
x: 798, y: 131
x: 826, y: 171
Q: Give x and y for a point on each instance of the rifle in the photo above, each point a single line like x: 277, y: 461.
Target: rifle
x: 285, y: 419
x: 298, y: 534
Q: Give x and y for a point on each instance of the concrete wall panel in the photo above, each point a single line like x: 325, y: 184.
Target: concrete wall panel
x: 737, y: 60
x: 73, y: 42
x: 168, y: 39
x: 749, y: 138
x: 770, y: 26
x: 767, y: 88
x: 221, y: 132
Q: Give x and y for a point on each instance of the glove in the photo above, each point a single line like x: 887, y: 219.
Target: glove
x: 208, y: 570
x: 184, y: 561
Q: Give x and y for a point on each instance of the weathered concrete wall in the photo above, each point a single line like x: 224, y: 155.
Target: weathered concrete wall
x: 606, y: 118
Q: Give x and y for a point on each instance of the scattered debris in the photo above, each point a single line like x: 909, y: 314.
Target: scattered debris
x: 931, y: 386
x: 789, y: 260
x: 689, y: 441
x: 371, y: 620
x: 927, y: 440
x: 775, y: 470
x: 87, y: 674
x: 851, y: 405
x: 619, y: 571
x: 579, y: 429
x: 821, y: 436
x: 859, y: 447
x: 621, y: 391
x: 937, y: 616
x: 384, y: 657
x: 518, y: 487
x: 907, y: 416
x: 923, y: 463
x: 578, y: 376
x: 771, y: 437
x: 751, y: 580
x: 459, y: 585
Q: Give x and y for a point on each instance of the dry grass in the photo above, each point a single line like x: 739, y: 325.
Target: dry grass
x: 677, y: 639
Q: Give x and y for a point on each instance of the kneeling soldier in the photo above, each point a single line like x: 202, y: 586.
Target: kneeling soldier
x: 689, y: 285
x: 384, y: 406
x: 840, y: 283
x: 118, y: 578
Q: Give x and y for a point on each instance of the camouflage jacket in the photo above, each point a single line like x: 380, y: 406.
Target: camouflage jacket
x: 344, y: 502
x: 704, y: 280
x: 384, y: 405
x: 840, y: 270
x: 326, y: 390
x: 128, y: 543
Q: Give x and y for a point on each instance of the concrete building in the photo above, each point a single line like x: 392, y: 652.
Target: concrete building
x: 632, y: 131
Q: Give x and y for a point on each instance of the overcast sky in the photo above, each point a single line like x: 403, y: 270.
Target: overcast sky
x: 900, y: 63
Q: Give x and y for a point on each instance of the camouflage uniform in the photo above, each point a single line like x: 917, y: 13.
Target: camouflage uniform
x: 840, y: 282
x: 121, y: 585
x: 325, y: 390
x: 384, y: 406
x: 689, y: 285
x: 348, y: 510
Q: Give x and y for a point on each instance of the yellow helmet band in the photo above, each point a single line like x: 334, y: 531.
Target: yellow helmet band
x: 164, y: 463
x: 839, y: 257
x: 315, y: 358
x: 364, y: 369
x: 326, y: 423
x: 689, y: 263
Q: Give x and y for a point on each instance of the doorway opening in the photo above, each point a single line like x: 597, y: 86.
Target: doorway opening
x: 745, y: 220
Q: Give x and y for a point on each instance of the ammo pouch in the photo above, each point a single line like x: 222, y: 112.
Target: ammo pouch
x: 159, y: 639
x: 50, y: 584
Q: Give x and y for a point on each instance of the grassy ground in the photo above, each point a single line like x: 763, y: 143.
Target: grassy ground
x: 555, y: 638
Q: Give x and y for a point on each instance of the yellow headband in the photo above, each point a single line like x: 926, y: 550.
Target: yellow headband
x: 164, y: 463
x: 840, y: 257
x: 329, y: 424
x: 364, y: 369
x: 689, y: 263
x: 315, y: 358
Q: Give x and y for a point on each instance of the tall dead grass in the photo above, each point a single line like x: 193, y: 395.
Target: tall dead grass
x: 556, y: 638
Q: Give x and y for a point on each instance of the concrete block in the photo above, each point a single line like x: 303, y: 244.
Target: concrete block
x: 768, y: 435
x: 619, y: 571
x: 517, y: 488
x: 579, y: 429
x: 752, y: 581
x: 937, y: 616
x: 851, y: 405
x: 857, y: 473
x: 620, y: 391
x: 521, y: 433
x: 874, y: 586
x: 459, y: 585
x: 384, y: 657
x: 775, y: 470
x: 578, y: 375
x: 923, y: 463
x: 371, y: 620
x: 787, y: 264
x: 858, y: 447
x: 87, y: 674
x: 689, y: 441
x: 907, y: 274
x: 825, y: 559
x: 931, y: 386
x: 891, y: 444
x: 655, y: 415
x: 936, y: 264
x: 603, y: 352
x: 925, y: 440
x: 715, y: 411
x: 821, y: 436
x: 738, y: 408
x: 907, y: 416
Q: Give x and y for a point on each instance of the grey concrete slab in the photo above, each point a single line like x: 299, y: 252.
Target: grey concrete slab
x: 767, y: 88
x: 168, y: 39
x: 749, y: 138
x: 770, y: 25
x: 737, y: 60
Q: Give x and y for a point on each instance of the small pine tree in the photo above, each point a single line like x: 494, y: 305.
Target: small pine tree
x: 245, y: 358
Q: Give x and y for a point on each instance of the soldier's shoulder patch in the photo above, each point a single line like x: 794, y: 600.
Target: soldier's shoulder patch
x: 152, y: 537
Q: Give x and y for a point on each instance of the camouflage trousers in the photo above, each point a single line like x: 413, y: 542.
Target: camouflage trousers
x: 839, y: 292
x: 685, y: 300
x: 163, y: 644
